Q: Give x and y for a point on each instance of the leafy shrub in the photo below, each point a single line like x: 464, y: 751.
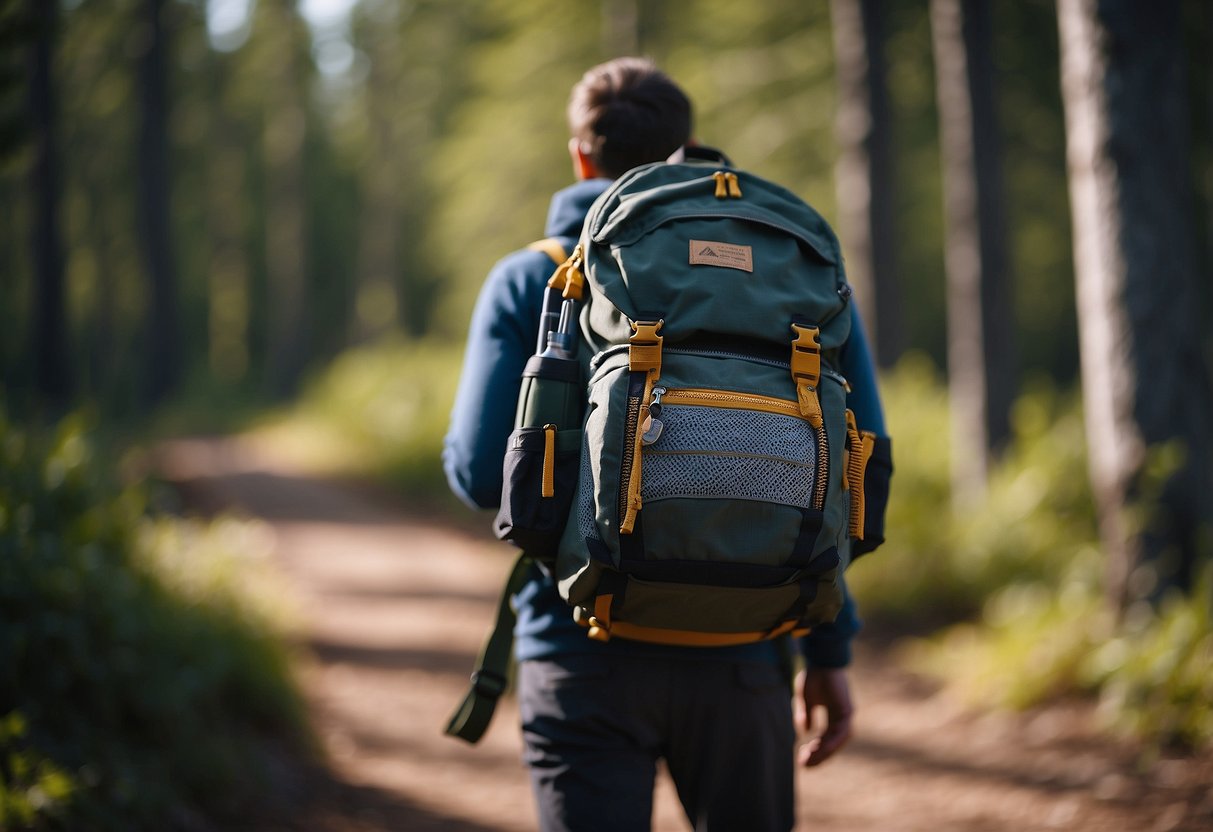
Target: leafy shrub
x: 1026, y: 568
x: 380, y: 410
x: 141, y: 687
x: 941, y: 565
x: 1034, y: 642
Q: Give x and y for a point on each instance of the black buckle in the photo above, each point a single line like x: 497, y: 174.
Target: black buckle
x: 488, y: 683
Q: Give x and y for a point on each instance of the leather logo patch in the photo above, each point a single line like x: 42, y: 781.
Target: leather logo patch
x: 726, y: 255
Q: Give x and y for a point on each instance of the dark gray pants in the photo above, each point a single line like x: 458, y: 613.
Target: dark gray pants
x: 595, y: 726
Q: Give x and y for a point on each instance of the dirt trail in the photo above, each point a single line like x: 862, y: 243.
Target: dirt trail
x: 394, y: 606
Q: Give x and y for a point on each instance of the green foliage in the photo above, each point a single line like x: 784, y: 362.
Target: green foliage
x: 1024, y: 565
x: 1038, y: 641
x: 144, y: 673
x: 380, y: 410
x: 1036, y: 518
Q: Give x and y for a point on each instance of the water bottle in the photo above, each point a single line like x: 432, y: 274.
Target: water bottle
x: 552, y: 392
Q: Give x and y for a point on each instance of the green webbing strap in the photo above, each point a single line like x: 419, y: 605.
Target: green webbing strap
x: 490, y: 678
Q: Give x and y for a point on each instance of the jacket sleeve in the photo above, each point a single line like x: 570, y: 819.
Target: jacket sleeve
x: 501, y: 337
x: 864, y: 401
x: 829, y: 645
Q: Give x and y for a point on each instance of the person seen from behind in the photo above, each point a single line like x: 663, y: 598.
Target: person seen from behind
x: 597, y: 717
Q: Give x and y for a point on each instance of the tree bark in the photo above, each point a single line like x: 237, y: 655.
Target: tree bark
x: 49, y: 353
x: 981, y: 374
x: 1146, y: 385
x: 864, y: 174
x: 286, y: 238
x: 163, y: 320
x: 229, y: 278
x: 620, y: 28
x: 377, y: 304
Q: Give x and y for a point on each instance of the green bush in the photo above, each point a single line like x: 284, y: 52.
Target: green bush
x: 144, y: 683
x: 941, y: 565
x: 379, y: 410
x: 1034, y: 642
x: 1024, y: 570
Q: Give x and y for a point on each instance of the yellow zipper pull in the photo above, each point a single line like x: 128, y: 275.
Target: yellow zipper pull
x: 722, y: 187
x: 734, y: 185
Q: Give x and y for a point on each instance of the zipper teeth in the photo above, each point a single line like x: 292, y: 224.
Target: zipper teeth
x: 722, y: 398
x: 790, y: 230
x: 826, y: 372
x: 823, y: 470
x: 629, y: 443
x: 770, y: 362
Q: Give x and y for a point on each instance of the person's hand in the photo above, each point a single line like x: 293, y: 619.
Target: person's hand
x: 828, y: 688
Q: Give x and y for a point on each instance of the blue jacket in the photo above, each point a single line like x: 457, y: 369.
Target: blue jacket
x: 501, y: 337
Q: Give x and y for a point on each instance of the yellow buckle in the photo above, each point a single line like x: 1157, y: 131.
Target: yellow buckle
x: 644, y: 347
x: 806, y: 371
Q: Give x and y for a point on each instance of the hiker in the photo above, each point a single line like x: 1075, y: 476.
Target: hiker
x: 597, y: 716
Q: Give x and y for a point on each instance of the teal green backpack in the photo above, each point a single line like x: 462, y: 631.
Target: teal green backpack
x: 720, y: 479
x: 714, y: 504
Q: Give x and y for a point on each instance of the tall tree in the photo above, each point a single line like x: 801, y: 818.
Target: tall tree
x: 620, y: 27
x: 162, y: 326
x: 227, y: 210
x: 286, y: 233
x: 1146, y: 385
x: 864, y: 172
x: 981, y: 381
x: 384, y: 188
x: 50, y: 332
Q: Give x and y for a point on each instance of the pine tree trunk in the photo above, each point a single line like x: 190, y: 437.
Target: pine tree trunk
x: 377, y: 303
x: 163, y: 320
x: 864, y: 173
x: 229, y: 276
x: 981, y: 374
x: 1146, y: 384
x: 49, y: 354
x: 286, y: 238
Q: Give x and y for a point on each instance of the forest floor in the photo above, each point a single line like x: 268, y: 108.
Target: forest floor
x: 392, y: 603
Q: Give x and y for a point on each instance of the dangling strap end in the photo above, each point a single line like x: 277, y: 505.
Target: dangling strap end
x: 548, y: 488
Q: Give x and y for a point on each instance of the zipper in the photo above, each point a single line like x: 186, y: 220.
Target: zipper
x: 731, y: 400
x: 598, y: 237
x: 823, y: 470
x: 635, y: 394
x: 710, y: 353
x: 826, y: 372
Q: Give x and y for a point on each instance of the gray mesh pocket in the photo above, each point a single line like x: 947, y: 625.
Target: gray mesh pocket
x: 711, y: 452
x: 585, y: 499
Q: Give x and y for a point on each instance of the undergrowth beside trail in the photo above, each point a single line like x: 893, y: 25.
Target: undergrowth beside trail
x: 381, y: 411
x: 146, y: 684
x: 1011, y: 585
x: 1004, y: 593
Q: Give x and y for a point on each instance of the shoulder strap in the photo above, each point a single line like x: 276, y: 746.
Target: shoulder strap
x: 490, y: 678
x: 552, y: 248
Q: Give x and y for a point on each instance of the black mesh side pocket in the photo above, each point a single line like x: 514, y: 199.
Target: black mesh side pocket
x: 533, y: 512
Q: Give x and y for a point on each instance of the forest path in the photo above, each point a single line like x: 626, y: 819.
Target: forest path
x: 393, y: 606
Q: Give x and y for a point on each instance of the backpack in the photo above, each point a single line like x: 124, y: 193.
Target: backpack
x: 714, y: 503
x: 720, y: 480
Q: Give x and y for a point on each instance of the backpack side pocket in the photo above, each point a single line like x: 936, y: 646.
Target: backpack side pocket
x: 539, y: 478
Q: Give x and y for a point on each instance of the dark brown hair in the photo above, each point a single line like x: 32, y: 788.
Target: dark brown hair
x: 627, y: 112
